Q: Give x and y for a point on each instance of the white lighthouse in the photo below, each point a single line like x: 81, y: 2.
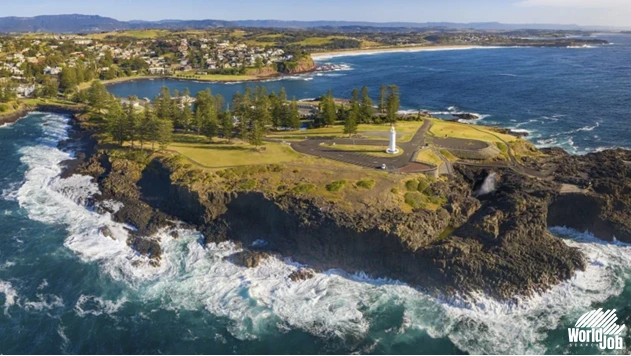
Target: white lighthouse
x: 393, y: 142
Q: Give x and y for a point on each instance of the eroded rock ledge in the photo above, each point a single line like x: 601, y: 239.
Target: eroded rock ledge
x: 497, y: 244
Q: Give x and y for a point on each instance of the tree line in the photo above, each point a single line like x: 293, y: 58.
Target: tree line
x: 360, y: 110
x: 253, y: 113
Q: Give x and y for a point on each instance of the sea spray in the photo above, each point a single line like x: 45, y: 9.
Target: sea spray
x: 261, y: 301
x: 488, y: 185
x: 10, y: 295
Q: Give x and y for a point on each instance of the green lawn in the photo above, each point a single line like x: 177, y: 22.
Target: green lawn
x: 139, y: 34
x: 406, y: 129
x: 318, y: 41
x: 217, y: 155
x: 442, y: 128
x: 428, y: 156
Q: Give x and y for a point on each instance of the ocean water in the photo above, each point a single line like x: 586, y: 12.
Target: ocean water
x: 65, y: 288
x: 575, y: 98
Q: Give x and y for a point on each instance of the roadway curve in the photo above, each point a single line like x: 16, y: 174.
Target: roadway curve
x: 404, y: 162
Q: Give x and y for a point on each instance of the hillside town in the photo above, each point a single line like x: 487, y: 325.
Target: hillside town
x: 45, y: 65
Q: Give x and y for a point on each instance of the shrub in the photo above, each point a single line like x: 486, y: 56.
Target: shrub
x: 248, y: 184
x: 411, y: 185
x: 4, y: 108
x: 415, y: 199
x: 502, y: 147
x: 422, y: 185
x: 394, y: 190
x: 336, y: 186
x: 438, y: 200
x: 303, y: 188
x: 365, y: 183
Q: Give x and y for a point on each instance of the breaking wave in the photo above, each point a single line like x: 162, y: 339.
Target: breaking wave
x: 327, y: 56
x: 263, y: 300
x: 10, y: 295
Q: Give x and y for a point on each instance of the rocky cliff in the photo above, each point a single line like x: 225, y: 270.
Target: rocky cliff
x: 497, y: 243
x: 303, y: 65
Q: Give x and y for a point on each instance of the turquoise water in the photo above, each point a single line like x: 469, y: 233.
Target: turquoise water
x: 576, y: 98
x: 64, y: 288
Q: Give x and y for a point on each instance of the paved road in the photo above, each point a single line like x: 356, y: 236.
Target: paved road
x: 315, y: 147
x: 405, y: 162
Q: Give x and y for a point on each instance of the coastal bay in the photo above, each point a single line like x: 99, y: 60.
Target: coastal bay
x: 198, y: 298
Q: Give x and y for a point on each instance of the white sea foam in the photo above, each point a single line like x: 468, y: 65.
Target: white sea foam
x: 523, y: 131
x: 111, y: 205
x: 92, y: 305
x: 10, y: 295
x: 45, y: 302
x: 50, y: 199
x: 324, y: 57
x: 263, y: 300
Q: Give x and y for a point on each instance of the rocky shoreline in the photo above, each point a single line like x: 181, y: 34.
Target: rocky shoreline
x: 495, y: 244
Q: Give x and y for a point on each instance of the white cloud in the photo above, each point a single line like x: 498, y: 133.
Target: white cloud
x: 583, y: 4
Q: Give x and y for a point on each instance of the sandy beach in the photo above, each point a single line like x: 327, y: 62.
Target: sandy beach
x: 369, y: 51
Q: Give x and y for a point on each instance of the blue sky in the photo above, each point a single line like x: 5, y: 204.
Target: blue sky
x: 582, y: 12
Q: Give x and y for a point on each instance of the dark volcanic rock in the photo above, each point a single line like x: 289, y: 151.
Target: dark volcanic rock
x: 248, y: 258
x: 497, y: 243
x: 301, y: 274
x: 105, y: 231
x: 467, y: 116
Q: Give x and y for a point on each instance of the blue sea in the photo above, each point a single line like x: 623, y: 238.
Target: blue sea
x: 65, y: 288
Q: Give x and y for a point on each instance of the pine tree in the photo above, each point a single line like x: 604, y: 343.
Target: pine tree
x: 328, y: 110
x: 355, y: 96
x: 186, y: 117
x: 97, y: 95
x: 294, y: 114
x: 68, y: 80
x: 277, y: 110
x: 392, y: 104
x: 209, y: 128
x: 145, y: 128
x: 226, y: 124
x: 282, y: 95
x: 132, y: 123
x: 163, y: 104
x: 382, y: 99
x: 350, y: 124
x: 164, y: 133
x: 256, y: 134
x: 366, y: 107
x: 117, y: 124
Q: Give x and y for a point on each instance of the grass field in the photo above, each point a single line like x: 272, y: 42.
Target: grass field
x: 226, y: 155
x: 379, y: 132
x: 428, y: 156
x: 139, y: 34
x: 450, y: 157
x: 376, y: 151
x: 220, y: 153
x: 442, y: 128
x: 318, y: 41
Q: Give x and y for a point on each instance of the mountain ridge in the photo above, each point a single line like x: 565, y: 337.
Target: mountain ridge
x: 79, y: 23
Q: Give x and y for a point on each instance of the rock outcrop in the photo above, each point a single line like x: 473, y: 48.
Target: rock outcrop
x: 497, y: 243
x: 302, y: 65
